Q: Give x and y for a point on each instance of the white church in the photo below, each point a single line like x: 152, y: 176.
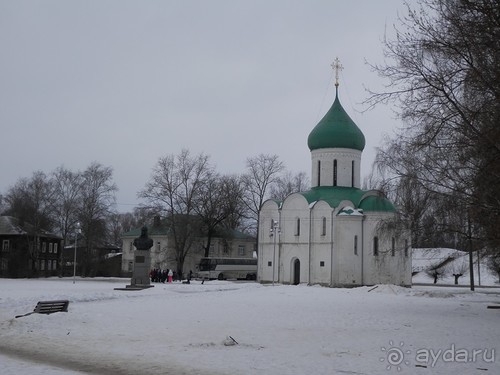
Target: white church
x: 331, y: 234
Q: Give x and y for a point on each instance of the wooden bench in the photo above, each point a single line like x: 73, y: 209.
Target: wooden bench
x: 49, y: 307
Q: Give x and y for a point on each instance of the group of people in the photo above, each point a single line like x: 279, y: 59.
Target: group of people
x: 160, y: 276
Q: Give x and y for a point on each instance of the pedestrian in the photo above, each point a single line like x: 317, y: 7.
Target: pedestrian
x: 170, y: 275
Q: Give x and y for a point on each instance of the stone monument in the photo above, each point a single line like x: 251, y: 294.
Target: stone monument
x: 142, y: 262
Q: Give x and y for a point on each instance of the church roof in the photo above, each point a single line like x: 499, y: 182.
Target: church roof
x: 365, y: 200
x: 336, y: 130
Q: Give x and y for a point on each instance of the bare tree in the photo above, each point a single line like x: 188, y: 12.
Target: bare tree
x: 67, y: 187
x: 219, y: 205
x: 175, y: 187
x: 288, y: 183
x: 2, y: 204
x: 437, y: 272
x: 458, y: 268
x: 494, y: 264
x: 119, y: 223
x: 262, y: 171
x: 31, y: 200
x: 115, y: 228
x: 443, y: 71
x: 97, y: 203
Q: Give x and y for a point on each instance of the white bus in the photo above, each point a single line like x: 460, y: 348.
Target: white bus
x: 228, y: 268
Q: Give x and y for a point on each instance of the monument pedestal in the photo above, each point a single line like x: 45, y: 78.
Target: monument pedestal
x: 142, y: 267
x: 142, y: 263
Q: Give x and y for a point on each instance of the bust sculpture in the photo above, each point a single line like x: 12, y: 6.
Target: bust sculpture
x: 143, y: 242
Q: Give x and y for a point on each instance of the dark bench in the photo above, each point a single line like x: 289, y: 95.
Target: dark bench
x: 49, y: 307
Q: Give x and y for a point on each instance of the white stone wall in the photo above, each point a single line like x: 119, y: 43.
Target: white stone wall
x: 344, y: 159
x: 348, y: 264
x: 295, y: 238
x: 385, y: 268
x: 322, y: 248
x: 327, y: 255
x: 269, y: 212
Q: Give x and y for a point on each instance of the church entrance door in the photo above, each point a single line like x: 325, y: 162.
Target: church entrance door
x: 296, y: 272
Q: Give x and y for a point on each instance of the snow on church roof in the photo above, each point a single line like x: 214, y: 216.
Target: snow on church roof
x: 348, y: 210
x: 365, y: 200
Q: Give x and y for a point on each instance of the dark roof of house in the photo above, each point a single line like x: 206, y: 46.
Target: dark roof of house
x: 12, y: 226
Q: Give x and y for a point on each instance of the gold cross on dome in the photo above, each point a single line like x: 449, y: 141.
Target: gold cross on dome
x: 337, y: 66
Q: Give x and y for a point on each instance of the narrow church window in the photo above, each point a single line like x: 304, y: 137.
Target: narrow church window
x: 322, y: 264
x: 269, y: 264
x: 335, y: 172
x: 158, y: 246
x: 352, y: 173
x: 55, y: 248
x: 323, y: 227
x: 375, y: 246
x: 406, y: 248
x: 297, y: 227
x: 319, y: 172
x: 355, y: 245
x: 5, y: 245
x: 393, y: 246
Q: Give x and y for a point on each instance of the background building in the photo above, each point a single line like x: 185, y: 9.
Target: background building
x: 225, y: 243
x: 26, y: 251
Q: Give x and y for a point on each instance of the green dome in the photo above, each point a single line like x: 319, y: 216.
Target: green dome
x: 336, y: 130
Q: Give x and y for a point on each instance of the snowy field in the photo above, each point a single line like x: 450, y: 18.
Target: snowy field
x: 423, y: 259
x: 184, y: 329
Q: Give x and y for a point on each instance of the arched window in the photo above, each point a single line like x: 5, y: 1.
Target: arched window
x: 352, y: 173
x: 323, y: 226
x: 335, y: 172
x: 297, y: 227
x: 393, y: 247
x: 355, y: 245
x: 319, y: 172
x: 375, y: 246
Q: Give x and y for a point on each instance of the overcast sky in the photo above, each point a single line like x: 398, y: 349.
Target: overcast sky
x: 126, y: 82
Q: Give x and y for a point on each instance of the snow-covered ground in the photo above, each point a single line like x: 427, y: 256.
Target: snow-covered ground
x: 183, y: 329
x: 424, y: 259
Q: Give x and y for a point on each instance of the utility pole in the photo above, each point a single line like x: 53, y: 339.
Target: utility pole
x: 471, y: 259
x: 275, y: 230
